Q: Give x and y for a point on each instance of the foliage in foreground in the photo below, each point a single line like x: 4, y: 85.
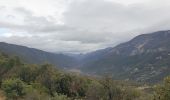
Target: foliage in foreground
x: 21, y: 81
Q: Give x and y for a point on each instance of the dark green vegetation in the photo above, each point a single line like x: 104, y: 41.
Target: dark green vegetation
x: 20, y: 81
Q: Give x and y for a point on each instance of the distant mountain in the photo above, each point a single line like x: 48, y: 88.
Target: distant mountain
x: 145, y: 58
x: 36, y: 56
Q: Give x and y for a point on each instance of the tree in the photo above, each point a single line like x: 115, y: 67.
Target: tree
x: 64, y: 84
x: 28, y: 74
x: 162, y: 92
x: 47, y: 76
x: 14, y: 88
x: 60, y: 97
x: 113, y: 92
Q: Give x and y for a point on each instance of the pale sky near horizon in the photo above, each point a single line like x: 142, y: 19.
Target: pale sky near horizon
x: 79, y: 26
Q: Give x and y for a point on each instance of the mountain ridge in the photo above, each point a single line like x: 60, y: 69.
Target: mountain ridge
x: 136, y: 59
x: 31, y: 55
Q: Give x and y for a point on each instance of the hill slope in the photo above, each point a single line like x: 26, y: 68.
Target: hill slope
x: 36, y: 56
x: 145, y: 58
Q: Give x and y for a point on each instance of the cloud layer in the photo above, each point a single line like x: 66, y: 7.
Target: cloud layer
x: 78, y: 26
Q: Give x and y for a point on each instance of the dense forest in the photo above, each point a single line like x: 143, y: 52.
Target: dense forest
x: 21, y: 81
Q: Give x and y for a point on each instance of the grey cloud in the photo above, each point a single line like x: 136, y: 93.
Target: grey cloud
x: 86, y: 24
x: 33, y: 24
x: 23, y: 11
x: 51, y: 45
x: 2, y: 7
x: 103, y: 15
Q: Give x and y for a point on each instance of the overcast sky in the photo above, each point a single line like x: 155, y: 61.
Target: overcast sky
x: 79, y: 26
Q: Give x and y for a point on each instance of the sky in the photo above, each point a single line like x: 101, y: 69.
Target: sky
x: 79, y: 26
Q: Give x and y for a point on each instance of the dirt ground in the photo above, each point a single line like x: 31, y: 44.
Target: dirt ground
x: 2, y: 97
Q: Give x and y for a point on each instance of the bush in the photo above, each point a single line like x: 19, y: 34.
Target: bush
x: 60, y: 97
x: 36, y: 95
